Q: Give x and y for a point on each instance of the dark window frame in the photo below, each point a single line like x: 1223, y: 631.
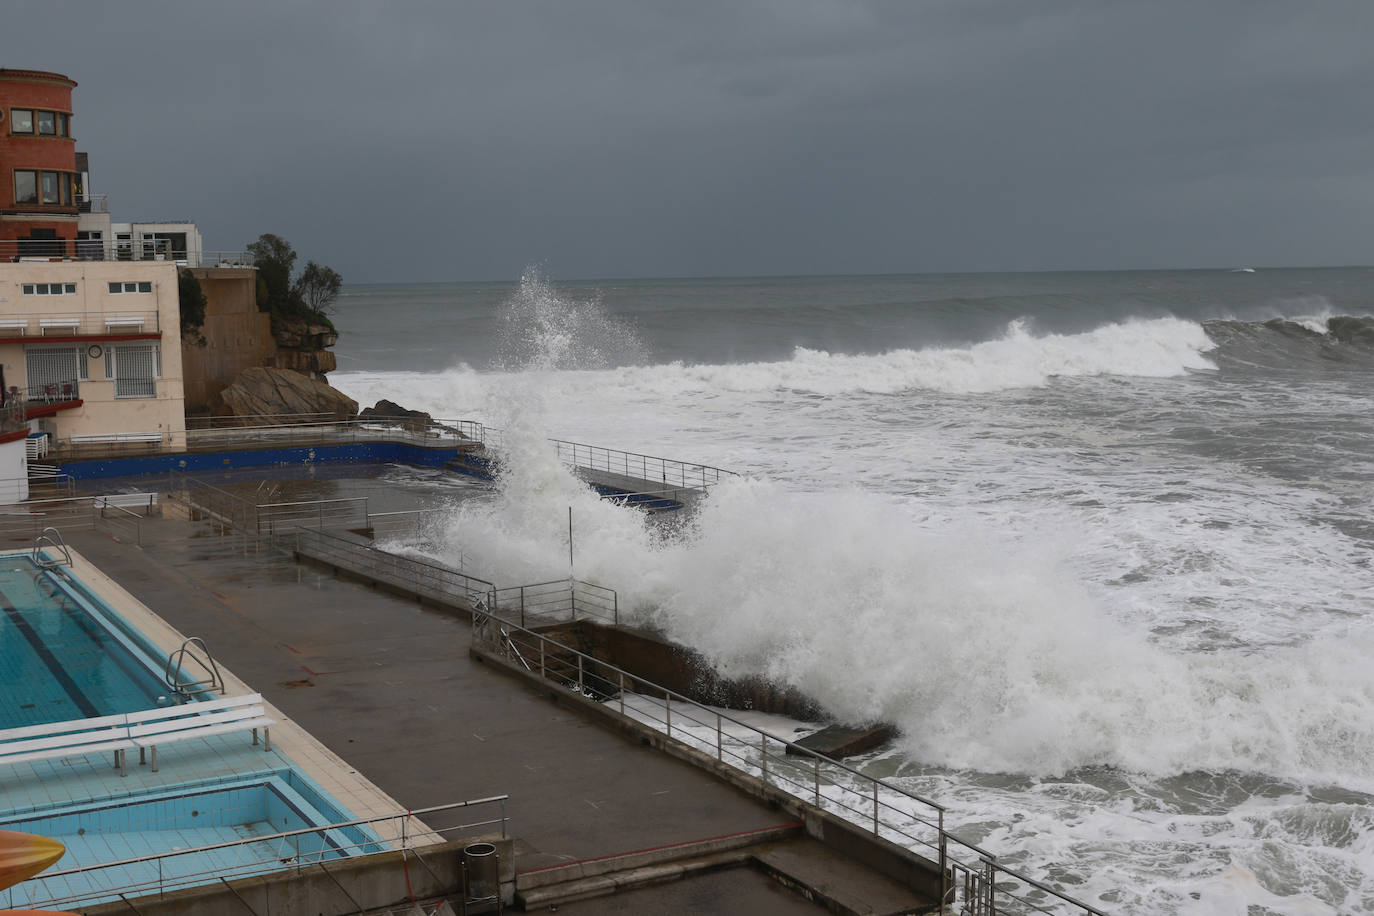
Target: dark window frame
x: 65, y: 195
x: 61, y: 122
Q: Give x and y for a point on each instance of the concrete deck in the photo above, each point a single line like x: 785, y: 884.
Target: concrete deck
x: 389, y: 687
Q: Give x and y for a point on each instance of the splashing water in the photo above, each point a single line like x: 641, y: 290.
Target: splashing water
x: 542, y: 328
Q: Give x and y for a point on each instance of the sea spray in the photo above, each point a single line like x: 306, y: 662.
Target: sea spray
x: 544, y: 328
x: 989, y: 654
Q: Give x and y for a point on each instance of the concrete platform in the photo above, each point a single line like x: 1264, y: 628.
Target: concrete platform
x: 388, y: 686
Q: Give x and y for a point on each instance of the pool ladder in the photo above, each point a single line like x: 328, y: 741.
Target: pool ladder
x: 51, y: 537
x: 193, y: 650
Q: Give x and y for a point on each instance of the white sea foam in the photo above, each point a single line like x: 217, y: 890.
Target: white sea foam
x: 1003, y: 549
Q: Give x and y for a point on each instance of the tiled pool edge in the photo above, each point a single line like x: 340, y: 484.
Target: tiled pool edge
x: 330, y: 772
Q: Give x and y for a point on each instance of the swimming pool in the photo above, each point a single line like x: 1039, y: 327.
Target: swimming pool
x: 65, y: 654
x: 232, y: 809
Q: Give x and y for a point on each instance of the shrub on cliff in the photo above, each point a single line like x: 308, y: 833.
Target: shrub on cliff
x: 192, y: 303
x: 308, y: 297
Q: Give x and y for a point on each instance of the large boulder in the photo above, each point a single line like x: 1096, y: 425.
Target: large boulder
x: 271, y: 396
x: 393, y: 413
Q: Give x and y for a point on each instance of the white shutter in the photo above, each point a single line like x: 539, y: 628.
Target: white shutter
x: 50, y: 366
x: 135, y: 371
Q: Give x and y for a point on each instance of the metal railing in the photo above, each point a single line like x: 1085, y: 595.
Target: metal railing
x: 93, y: 203
x: 77, y: 322
x: 284, y: 852
x: 27, y: 519
x: 142, y: 248
x: 563, y: 600
x: 641, y: 467
x: 121, y: 518
x: 428, y: 580
x: 347, y: 512
x: 974, y: 882
x: 50, y: 392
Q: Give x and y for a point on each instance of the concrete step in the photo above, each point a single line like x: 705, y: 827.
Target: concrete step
x: 840, y: 884
x: 608, y: 874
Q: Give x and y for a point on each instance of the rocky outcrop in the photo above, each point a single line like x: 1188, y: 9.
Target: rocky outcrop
x: 391, y: 411
x: 301, y: 346
x: 268, y: 396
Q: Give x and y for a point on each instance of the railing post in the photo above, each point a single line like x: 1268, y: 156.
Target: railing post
x: 718, y: 740
x: 763, y: 759
x: 542, y: 671
x: 620, y: 677
x: 579, y: 673
x: 668, y: 712
x: 522, y: 605
x: 875, y: 807
x: 817, y: 760
x: 944, y: 860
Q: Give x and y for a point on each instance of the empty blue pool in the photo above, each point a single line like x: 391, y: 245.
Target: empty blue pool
x: 185, y: 818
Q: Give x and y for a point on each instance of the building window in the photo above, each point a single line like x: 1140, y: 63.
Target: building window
x: 49, y: 289
x: 53, y: 372
x: 25, y: 187
x: 42, y: 123
x: 31, y: 187
x: 135, y: 369
x: 142, y: 286
x: 52, y: 193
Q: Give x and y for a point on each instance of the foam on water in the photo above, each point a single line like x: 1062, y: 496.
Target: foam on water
x: 1129, y: 655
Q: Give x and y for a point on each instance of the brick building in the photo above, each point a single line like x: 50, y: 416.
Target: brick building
x: 39, y: 181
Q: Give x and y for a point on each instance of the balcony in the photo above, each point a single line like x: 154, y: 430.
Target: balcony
x: 94, y: 203
x: 37, y: 326
x: 118, y: 250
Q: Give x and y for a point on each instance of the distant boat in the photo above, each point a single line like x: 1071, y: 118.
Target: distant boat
x: 1243, y: 270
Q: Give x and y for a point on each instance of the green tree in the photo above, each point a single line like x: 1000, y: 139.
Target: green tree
x: 192, y: 301
x: 274, y: 258
x: 317, y: 287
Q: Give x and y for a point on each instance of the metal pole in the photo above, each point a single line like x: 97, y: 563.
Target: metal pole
x: 875, y: 807
x: 763, y: 746
x: 620, y: 676
x: 570, y: 543
x: 718, y: 741
x: 817, y: 761
x: 668, y: 712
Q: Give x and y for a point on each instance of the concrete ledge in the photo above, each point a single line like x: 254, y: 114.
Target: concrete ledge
x: 588, y: 868
x: 902, y: 865
x: 342, y: 886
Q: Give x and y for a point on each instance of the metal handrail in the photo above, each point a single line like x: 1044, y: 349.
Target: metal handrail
x: 56, y: 543
x: 404, y: 844
x: 987, y: 869
x: 133, y: 518
x: 176, y: 662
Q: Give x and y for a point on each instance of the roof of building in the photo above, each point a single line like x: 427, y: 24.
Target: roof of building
x: 7, y: 73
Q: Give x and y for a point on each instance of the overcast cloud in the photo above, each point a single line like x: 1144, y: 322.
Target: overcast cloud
x: 462, y: 141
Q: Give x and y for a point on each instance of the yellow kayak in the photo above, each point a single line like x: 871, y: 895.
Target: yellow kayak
x: 23, y: 855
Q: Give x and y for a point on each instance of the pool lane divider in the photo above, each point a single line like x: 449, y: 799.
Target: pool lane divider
x: 64, y: 679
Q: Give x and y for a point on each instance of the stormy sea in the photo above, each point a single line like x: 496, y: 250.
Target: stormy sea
x: 1098, y: 544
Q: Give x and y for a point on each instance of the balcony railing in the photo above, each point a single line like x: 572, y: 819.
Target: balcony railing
x: 77, y: 323
x: 43, y: 393
x: 145, y: 249
x: 94, y: 203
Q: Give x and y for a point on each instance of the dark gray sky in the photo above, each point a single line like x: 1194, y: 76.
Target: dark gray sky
x: 408, y: 141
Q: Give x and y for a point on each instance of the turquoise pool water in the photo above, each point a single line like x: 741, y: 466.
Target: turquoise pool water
x: 183, y: 818
x: 64, y: 654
